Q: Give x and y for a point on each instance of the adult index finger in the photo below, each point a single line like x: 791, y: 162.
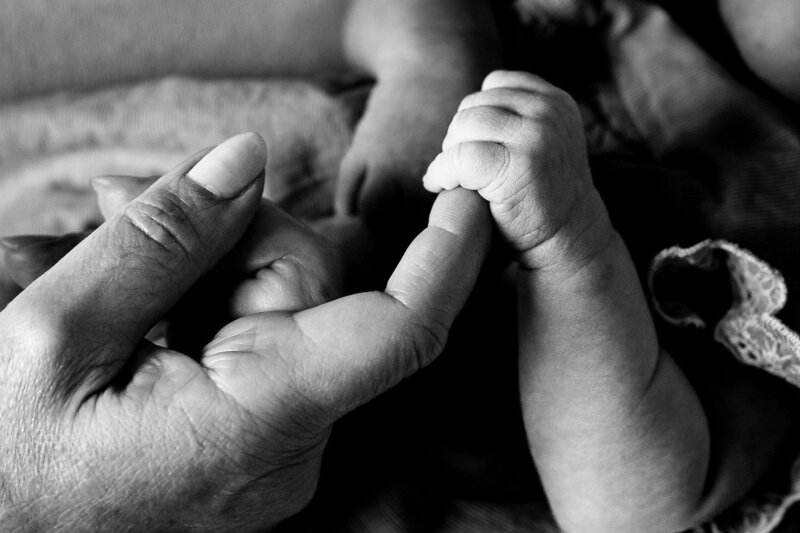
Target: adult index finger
x: 344, y: 353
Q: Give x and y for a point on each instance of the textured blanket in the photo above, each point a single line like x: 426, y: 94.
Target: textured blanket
x: 51, y: 146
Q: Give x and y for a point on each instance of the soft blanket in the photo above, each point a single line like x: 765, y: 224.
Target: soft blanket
x: 51, y: 146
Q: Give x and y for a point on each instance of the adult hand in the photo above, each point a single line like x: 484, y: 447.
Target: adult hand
x: 107, y: 431
x: 278, y: 264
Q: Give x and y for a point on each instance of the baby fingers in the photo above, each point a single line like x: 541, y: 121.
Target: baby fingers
x: 473, y: 165
x: 285, y: 265
x: 278, y: 265
x: 115, y: 192
x: 486, y: 123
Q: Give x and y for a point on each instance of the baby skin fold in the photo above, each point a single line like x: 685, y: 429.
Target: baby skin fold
x: 624, y: 438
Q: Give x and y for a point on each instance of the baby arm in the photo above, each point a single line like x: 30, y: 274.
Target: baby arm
x: 619, y: 436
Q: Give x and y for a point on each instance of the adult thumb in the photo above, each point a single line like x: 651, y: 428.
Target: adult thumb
x: 96, y: 304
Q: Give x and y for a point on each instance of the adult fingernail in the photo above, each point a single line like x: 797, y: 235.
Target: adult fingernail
x: 232, y: 166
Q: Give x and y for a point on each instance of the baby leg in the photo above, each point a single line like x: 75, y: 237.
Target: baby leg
x: 766, y: 33
x: 425, y: 56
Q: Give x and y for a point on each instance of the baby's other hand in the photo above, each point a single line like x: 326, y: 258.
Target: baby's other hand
x: 280, y: 264
x: 400, y: 133
x: 519, y: 142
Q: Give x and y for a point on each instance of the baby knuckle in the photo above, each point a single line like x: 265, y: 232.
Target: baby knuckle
x: 548, y: 134
x: 548, y: 113
x: 563, y: 102
x: 499, y: 158
x: 506, y: 123
x: 533, y: 133
x: 492, y: 121
x: 477, y: 164
x: 557, y: 93
x: 465, y: 119
x: 530, y: 105
x: 471, y: 100
x: 464, y: 155
x: 471, y: 155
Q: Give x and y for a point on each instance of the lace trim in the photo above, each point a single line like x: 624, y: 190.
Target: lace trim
x: 751, y: 332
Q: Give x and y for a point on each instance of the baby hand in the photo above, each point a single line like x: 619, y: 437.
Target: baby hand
x: 519, y: 143
x: 279, y: 264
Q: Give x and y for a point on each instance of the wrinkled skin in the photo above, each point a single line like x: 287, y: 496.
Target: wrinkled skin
x: 106, y: 430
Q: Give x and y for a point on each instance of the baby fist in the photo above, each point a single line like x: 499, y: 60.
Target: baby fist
x: 519, y: 143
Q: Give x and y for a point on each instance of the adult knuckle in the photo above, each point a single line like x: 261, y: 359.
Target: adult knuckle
x: 36, y: 327
x: 428, y: 339
x: 166, y: 221
x: 40, y: 380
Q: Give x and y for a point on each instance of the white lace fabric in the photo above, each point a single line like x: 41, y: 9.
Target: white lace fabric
x: 754, y: 336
